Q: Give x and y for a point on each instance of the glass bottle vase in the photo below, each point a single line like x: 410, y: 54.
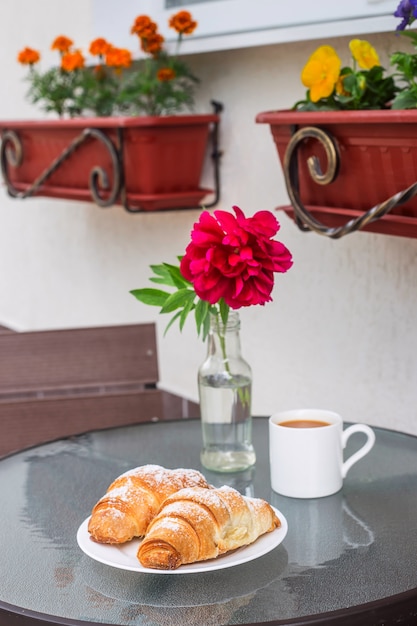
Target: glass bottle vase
x: 225, y: 392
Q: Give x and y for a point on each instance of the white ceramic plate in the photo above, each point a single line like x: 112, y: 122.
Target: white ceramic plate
x: 123, y: 556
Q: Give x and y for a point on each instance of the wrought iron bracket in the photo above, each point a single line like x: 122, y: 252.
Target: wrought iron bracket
x: 11, y: 153
x: 304, y: 219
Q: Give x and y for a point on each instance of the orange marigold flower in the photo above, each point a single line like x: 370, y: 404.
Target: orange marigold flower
x: 143, y: 26
x: 165, y: 74
x: 62, y: 44
x: 118, y: 57
x: 365, y: 54
x: 99, y: 47
x: 321, y: 72
x: 28, y: 56
x: 147, y: 33
x: 183, y: 23
x: 152, y: 44
x: 72, y: 61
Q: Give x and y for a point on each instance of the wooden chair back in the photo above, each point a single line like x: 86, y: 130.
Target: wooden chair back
x: 59, y: 383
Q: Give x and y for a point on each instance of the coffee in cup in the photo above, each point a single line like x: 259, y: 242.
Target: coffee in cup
x: 306, y: 452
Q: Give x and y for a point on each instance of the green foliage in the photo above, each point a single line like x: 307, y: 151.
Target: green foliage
x: 405, y: 65
x: 142, y: 92
x: 181, y: 301
x: 103, y: 91
x: 366, y: 89
x: 98, y: 90
x: 56, y: 89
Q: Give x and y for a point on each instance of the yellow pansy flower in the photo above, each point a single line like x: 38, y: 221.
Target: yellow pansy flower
x: 321, y: 72
x: 364, y: 54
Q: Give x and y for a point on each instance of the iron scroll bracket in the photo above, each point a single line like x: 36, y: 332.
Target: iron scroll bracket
x: 102, y: 194
x: 12, y: 153
x: 303, y: 218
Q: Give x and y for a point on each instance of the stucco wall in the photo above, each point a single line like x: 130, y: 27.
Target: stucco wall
x: 340, y: 333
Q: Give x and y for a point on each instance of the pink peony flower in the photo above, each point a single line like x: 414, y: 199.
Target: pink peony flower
x: 235, y: 258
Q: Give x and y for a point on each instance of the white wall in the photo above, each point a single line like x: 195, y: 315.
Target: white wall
x: 340, y: 333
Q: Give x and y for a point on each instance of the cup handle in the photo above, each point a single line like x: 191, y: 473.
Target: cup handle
x: 367, y: 446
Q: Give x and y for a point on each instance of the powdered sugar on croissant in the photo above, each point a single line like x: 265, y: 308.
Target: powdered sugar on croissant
x: 134, y: 498
x: 196, y: 524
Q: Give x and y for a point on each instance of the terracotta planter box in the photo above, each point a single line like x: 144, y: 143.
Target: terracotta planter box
x: 149, y: 162
x: 377, y: 158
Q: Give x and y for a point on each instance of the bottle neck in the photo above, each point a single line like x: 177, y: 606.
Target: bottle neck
x: 224, y: 340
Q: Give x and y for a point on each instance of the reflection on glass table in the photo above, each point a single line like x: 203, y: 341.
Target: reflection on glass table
x: 349, y: 558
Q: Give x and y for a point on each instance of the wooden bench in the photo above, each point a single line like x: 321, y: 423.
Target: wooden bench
x: 60, y: 383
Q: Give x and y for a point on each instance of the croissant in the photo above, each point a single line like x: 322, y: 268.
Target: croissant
x: 196, y: 524
x: 134, y: 498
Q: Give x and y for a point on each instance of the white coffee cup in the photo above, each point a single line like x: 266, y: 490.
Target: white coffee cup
x: 306, y: 455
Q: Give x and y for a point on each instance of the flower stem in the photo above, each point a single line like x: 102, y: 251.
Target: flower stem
x: 222, y: 339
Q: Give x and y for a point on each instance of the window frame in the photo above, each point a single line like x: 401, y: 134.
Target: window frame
x: 230, y: 24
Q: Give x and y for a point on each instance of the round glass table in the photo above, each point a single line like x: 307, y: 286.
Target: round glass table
x: 347, y: 559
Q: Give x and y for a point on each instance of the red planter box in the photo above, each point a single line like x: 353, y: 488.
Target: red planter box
x: 378, y: 158
x: 161, y: 158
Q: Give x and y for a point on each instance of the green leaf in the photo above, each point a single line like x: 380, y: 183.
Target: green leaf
x: 405, y: 100
x: 163, y: 276
x: 206, y: 327
x: 177, y: 300
x: 154, y: 297
x: 224, y: 311
x: 159, y: 269
x: 176, y: 276
x: 201, y: 313
x: 172, y: 320
x: 412, y: 35
x: 186, y: 310
x: 161, y: 281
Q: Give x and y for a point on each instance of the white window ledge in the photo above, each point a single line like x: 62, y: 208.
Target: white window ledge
x: 231, y: 24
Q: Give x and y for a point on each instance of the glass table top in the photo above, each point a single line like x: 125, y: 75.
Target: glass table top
x: 355, y: 547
